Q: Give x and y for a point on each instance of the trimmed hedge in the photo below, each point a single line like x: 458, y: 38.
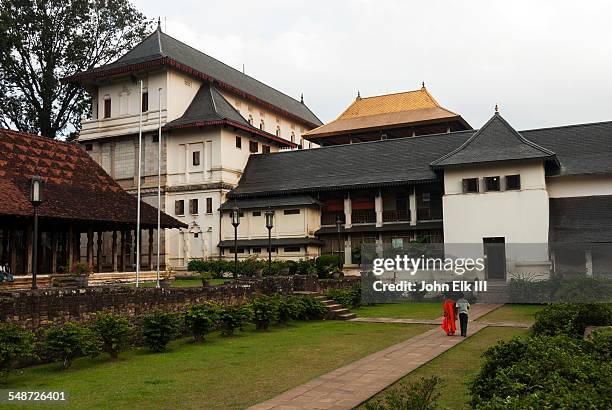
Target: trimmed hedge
x: 571, y: 319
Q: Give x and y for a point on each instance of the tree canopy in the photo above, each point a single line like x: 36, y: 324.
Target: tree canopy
x: 43, y: 41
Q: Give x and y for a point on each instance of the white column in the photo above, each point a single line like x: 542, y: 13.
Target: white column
x: 413, y: 207
x: 348, y: 258
x: 588, y: 255
x: 378, y: 207
x: 379, y: 245
x: 347, y: 212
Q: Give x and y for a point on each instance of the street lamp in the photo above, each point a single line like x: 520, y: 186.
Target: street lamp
x: 235, y: 223
x: 36, y: 197
x: 269, y: 225
x: 338, y: 226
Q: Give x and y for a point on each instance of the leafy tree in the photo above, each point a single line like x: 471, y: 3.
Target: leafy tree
x: 114, y: 332
x: 158, y: 329
x: 69, y: 341
x: 200, y: 320
x: 43, y: 41
x: 15, y: 344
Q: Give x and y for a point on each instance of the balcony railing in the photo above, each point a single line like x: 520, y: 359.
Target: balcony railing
x: 428, y: 214
x: 396, y: 216
x: 363, y: 216
x: 330, y: 218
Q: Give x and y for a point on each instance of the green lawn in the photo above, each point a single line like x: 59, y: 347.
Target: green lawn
x: 457, y: 366
x: 221, y: 373
x: 423, y: 310
x: 513, y: 313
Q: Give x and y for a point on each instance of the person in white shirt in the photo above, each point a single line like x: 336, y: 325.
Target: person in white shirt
x: 463, y: 307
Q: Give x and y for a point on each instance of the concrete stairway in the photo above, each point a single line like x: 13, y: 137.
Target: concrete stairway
x: 25, y: 283
x: 335, y: 311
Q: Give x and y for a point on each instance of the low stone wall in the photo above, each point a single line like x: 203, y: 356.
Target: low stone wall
x: 348, y: 282
x: 42, y: 308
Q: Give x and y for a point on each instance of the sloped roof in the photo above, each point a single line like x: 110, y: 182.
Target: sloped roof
x: 209, y: 107
x: 160, y: 49
x: 75, y: 186
x: 580, y: 219
x: 581, y: 149
x: 398, y: 109
x: 495, y: 141
x: 273, y: 202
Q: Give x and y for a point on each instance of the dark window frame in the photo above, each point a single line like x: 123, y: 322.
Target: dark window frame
x: 107, y: 108
x: 265, y: 149
x: 194, y: 205
x: 492, y: 183
x: 471, y: 190
x: 253, y: 147
x: 209, y: 206
x: 292, y: 249
x: 179, y: 207
x: 256, y: 213
x: 513, y: 186
x: 291, y: 211
x: 195, y: 158
x: 88, y: 147
x: 145, y: 102
x: 238, y: 142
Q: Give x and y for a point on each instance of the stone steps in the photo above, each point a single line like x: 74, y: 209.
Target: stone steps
x: 335, y: 311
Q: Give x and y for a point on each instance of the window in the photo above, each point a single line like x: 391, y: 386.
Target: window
x: 262, y: 125
x: 107, y: 108
x: 289, y: 249
x: 179, y: 207
x: 193, y: 206
x: 257, y: 213
x: 272, y: 251
x: 145, y: 101
x: 492, y: 183
x: 253, y: 146
x: 291, y: 211
x: 250, y: 119
x: 265, y: 149
x: 292, y: 136
x: 88, y: 147
x: 278, y: 131
x: 240, y: 250
x: 513, y: 182
x: 238, y: 142
x: 195, y: 158
x: 195, y: 235
x: 470, y: 185
x: 426, y: 197
x: 256, y: 250
x: 209, y: 205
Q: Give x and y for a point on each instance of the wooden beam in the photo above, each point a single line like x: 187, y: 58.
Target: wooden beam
x: 54, y: 240
x: 114, y: 252
x: 70, y: 247
x: 90, y: 235
x: 122, y: 252
x: 13, y: 251
x: 99, y: 253
x: 29, y: 249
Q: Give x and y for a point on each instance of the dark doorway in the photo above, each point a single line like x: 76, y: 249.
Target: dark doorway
x: 495, y: 253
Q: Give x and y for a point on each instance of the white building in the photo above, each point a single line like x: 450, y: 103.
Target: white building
x: 213, y: 118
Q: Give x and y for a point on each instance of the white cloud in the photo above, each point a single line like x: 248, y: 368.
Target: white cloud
x: 546, y: 63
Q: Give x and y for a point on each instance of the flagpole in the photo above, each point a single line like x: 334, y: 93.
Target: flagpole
x: 159, y: 151
x: 139, y: 179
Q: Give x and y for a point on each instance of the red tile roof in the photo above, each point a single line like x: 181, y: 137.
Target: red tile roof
x: 75, y: 188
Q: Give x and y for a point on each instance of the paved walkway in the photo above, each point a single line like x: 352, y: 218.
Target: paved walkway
x: 351, y: 385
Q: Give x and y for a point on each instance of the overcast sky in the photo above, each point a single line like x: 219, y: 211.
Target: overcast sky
x: 546, y: 63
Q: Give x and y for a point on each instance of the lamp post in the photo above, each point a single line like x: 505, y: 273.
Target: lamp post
x: 338, y: 226
x: 36, y: 199
x: 269, y: 225
x: 235, y: 223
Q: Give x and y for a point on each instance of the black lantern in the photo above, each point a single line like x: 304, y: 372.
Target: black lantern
x: 36, y: 197
x: 235, y: 223
x: 269, y: 225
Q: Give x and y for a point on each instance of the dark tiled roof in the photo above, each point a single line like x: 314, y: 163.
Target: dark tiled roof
x: 75, y: 188
x: 243, y: 243
x: 495, y: 141
x: 209, y: 107
x: 164, y: 50
x: 581, y: 219
x: 581, y: 149
x: 273, y: 202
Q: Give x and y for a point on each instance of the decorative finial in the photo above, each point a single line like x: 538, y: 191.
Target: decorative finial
x: 302, y: 98
x: 423, y: 85
x: 358, y: 95
x: 159, y: 23
x: 496, y: 109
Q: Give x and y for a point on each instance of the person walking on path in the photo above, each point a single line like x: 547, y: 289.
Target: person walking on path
x: 462, y: 308
x: 449, y: 322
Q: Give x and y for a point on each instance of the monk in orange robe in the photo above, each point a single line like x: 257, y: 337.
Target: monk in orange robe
x: 448, y: 323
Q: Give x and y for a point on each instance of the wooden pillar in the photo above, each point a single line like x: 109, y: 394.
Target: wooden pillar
x: 135, y: 251
x: 5, y: 242
x: 70, y: 247
x: 54, y: 241
x: 13, y: 251
x: 90, y: 247
x: 150, y: 248
x: 77, y: 245
x: 99, y: 253
x: 29, y: 248
x: 114, y: 252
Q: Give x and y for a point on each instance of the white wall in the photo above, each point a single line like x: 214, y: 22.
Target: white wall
x: 582, y: 185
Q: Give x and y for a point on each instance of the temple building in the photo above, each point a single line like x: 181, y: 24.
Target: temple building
x: 79, y: 203
x: 213, y: 118
x: 544, y: 194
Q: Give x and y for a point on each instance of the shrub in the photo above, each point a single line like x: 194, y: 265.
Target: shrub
x: 326, y: 264
x: 543, y: 372
x: 232, y: 318
x: 114, y: 331
x: 158, y: 329
x: 347, y: 298
x: 264, y: 310
x: 200, y: 320
x: 287, y: 308
x: 583, y: 290
x: 15, y: 344
x: 309, y: 309
x: 420, y: 395
x: 217, y: 267
x: 571, y: 319
x: 69, y: 341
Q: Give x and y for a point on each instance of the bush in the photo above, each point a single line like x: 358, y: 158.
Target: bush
x: 326, y: 264
x: 114, y: 332
x: 15, y: 344
x: 264, y: 310
x: 158, y: 329
x: 287, y: 308
x: 200, y: 320
x: 69, y: 341
x: 232, y: 318
x: 217, y: 267
x: 571, y: 319
x: 420, y: 395
x: 347, y: 298
x: 308, y: 309
x: 583, y: 290
x: 543, y: 372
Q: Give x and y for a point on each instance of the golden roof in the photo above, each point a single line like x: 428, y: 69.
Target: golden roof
x: 390, y: 110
